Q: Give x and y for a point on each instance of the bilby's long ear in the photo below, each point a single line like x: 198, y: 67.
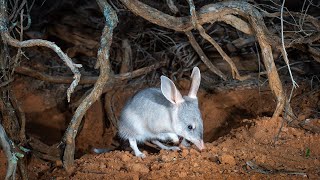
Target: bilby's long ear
x: 196, y: 78
x: 170, y: 91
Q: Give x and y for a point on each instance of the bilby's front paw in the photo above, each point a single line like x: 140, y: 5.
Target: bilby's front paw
x: 141, y: 155
x: 175, y: 139
x: 184, y: 143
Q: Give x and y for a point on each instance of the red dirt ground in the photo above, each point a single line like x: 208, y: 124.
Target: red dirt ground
x: 228, y: 157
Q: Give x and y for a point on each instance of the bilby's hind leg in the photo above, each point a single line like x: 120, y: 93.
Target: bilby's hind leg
x: 134, y: 146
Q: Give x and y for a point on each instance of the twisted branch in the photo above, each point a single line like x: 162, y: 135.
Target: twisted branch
x: 104, y: 65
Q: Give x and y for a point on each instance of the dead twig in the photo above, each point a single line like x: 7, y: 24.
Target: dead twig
x: 116, y: 79
x: 284, y: 53
x: 27, y: 71
x: 257, y: 168
x: 126, y: 57
x: 104, y: 65
x: 203, y: 56
x: 173, y: 8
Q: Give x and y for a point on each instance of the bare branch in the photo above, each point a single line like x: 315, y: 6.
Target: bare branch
x: 284, y: 52
x: 204, y: 57
x: 119, y: 78
x: 104, y: 65
x: 173, y: 8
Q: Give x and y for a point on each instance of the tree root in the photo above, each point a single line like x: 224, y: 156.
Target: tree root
x: 104, y: 65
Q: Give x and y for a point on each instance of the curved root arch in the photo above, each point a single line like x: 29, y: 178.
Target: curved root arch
x: 224, y: 11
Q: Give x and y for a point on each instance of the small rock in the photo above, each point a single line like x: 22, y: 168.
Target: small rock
x: 112, y: 165
x: 125, y: 157
x: 165, y: 158
x: 169, y: 156
x: 139, y: 168
x: 182, y: 174
x: 155, y: 167
x: 214, y: 159
x: 206, y: 155
x: 213, y: 149
x: 194, y: 152
x: 228, y: 159
x: 135, y: 177
x: 184, y: 152
x: 102, y: 166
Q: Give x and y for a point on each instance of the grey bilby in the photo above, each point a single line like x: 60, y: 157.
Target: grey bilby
x: 160, y: 114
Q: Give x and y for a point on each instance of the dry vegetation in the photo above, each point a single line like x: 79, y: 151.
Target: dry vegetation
x: 111, y: 44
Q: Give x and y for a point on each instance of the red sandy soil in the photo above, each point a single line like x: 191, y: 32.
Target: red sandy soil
x: 230, y: 157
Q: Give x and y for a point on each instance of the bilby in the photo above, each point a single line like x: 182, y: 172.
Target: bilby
x: 161, y: 114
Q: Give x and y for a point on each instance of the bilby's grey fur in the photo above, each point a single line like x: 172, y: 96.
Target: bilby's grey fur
x: 163, y: 114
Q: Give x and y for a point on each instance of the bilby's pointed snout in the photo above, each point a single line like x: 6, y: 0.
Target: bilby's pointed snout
x: 200, y: 144
x: 201, y: 147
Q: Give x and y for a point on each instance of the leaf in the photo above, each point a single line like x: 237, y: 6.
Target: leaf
x: 308, y: 153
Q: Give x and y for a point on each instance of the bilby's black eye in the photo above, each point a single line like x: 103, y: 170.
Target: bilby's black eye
x: 190, y: 127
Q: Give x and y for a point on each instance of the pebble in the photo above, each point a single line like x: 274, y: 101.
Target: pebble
x: 139, y: 168
x: 125, y: 157
x: 228, y: 159
x: 194, y: 152
x: 182, y: 174
x: 185, y: 153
